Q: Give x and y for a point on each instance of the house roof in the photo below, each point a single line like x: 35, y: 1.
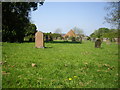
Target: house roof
x: 71, y: 33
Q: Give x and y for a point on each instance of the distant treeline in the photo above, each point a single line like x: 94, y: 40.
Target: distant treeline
x: 47, y: 37
x: 105, y: 33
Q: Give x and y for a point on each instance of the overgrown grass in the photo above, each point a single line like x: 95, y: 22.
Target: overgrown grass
x: 60, y: 65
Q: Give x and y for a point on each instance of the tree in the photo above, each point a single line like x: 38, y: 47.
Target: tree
x: 113, y: 33
x: 79, y: 33
x: 99, y: 33
x: 78, y: 30
x: 113, y: 15
x: 58, y: 31
x: 30, y: 29
x: 105, y: 33
x: 93, y: 35
x: 15, y: 19
x: 0, y: 22
x: 50, y: 36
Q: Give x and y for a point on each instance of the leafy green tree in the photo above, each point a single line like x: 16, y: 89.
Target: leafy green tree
x: 99, y: 33
x: 56, y: 35
x: 15, y: 17
x: 93, y: 35
x: 105, y: 33
x: 30, y: 29
x: 51, y: 35
x: 113, y: 33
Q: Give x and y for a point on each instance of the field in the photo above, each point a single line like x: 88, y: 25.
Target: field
x: 60, y: 65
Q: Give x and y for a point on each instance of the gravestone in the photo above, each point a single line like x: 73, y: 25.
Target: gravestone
x: 104, y: 39
x: 59, y: 38
x: 73, y: 39
x: 117, y: 40
x: 79, y: 39
x: 98, y: 43
x: 39, y: 40
x: 93, y: 39
x: 50, y: 37
x: 46, y: 38
x: 108, y: 42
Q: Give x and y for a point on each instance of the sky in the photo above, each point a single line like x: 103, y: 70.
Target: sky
x: 88, y: 16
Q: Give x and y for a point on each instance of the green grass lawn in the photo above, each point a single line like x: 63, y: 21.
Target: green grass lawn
x: 60, y: 65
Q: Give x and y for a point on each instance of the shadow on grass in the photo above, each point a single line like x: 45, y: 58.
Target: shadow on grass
x: 48, y: 47
x: 43, y: 47
x: 28, y: 41
x: 65, y: 42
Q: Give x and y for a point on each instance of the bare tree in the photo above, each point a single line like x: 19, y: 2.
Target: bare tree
x: 58, y: 30
x: 78, y: 30
x: 79, y: 33
x: 113, y: 15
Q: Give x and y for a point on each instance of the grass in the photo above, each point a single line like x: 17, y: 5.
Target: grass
x: 60, y: 65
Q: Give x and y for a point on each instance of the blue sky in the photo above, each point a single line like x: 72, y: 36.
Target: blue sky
x: 88, y: 16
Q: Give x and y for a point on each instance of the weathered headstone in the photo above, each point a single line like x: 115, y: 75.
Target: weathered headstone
x: 79, y: 39
x: 50, y: 37
x: 108, y: 42
x: 59, y: 38
x: 73, y: 39
x: 93, y: 39
x: 39, y: 40
x: 98, y: 43
x: 104, y: 39
x: 117, y: 40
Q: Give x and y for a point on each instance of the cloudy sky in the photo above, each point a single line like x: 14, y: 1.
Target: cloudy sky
x: 88, y: 16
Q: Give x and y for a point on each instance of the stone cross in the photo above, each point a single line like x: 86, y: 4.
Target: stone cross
x: 39, y: 40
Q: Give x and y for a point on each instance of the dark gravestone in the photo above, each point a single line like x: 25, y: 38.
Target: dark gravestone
x: 73, y: 39
x: 98, y: 43
x: 79, y: 39
x: 30, y: 39
x: 46, y: 38
x: 50, y: 37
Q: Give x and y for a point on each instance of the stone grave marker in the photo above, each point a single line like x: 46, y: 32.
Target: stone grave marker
x: 104, y: 39
x: 108, y: 42
x: 98, y: 43
x: 39, y: 40
x: 46, y: 38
